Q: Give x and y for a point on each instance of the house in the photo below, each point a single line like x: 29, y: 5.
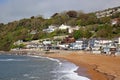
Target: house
x: 91, y: 42
x: 68, y: 40
x: 103, y: 43
x: 34, y: 46
x: 18, y: 42
x: 119, y: 40
x: 35, y: 41
x: 71, y: 29
x: 63, y: 46
x: 62, y: 27
x: 79, y: 41
x: 105, y: 50
x: 96, y: 47
x: 107, y: 12
x: 77, y: 45
x: 31, y: 45
x: 50, y: 29
x: 47, y: 42
x: 60, y: 37
x: 115, y: 21
x: 33, y: 32
x: 100, y: 45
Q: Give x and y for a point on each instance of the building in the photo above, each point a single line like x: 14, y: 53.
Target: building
x: 18, y: 42
x: 115, y: 21
x: 77, y: 45
x: 107, y: 12
x: 33, y: 32
x: 68, y: 40
x: 60, y: 37
x: 103, y: 43
x: 32, y: 46
x: 47, y: 42
x: 72, y: 29
x: 62, y: 27
x: 50, y: 29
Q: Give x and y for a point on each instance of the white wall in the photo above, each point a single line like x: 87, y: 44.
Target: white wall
x: 119, y: 40
x: 46, y: 42
x: 64, y: 27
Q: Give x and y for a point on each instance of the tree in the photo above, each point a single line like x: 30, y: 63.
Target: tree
x: 87, y: 34
x: 104, y: 20
x: 72, y: 14
x: 32, y: 17
x: 78, y: 22
x: 54, y: 15
x: 77, y: 34
x: 105, y: 31
x: 71, y: 22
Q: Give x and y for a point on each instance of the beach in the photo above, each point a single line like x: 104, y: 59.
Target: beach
x: 98, y: 67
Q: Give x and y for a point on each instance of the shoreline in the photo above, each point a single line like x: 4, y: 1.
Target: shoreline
x: 93, y: 70
x: 78, y: 71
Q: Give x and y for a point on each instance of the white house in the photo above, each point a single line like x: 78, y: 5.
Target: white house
x: 102, y: 43
x: 47, y: 42
x: 50, y: 29
x: 35, y: 41
x: 31, y: 45
x: 63, y: 46
x: 71, y: 29
x: 78, y: 45
x: 18, y: 42
x: 119, y: 40
x: 60, y: 37
x: 64, y: 27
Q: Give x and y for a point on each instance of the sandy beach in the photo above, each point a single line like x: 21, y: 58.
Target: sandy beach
x: 98, y: 67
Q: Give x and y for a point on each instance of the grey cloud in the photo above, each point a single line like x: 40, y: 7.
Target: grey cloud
x: 17, y: 9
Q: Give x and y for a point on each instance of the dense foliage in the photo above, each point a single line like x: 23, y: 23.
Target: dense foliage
x: 90, y: 26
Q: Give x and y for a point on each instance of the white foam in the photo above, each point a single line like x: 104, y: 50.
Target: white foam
x: 35, y: 56
x: 33, y: 77
x: 13, y: 59
x: 68, y: 72
x: 73, y: 77
x: 47, y: 58
x: 26, y: 75
x: 66, y: 68
x: 60, y: 63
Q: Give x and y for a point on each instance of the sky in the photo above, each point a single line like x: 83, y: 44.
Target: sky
x: 11, y: 10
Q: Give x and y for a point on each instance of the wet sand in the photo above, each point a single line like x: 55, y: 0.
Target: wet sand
x: 98, y: 67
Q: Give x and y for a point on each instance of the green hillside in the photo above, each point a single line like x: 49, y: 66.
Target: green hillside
x: 90, y: 26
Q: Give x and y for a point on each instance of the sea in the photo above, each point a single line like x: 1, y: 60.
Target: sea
x: 16, y: 67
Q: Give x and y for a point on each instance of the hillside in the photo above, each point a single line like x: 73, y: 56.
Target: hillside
x: 32, y: 28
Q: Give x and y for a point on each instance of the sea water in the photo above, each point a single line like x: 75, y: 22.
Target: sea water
x: 14, y: 67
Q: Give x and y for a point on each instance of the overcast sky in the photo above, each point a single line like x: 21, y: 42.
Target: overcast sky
x: 11, y: 10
